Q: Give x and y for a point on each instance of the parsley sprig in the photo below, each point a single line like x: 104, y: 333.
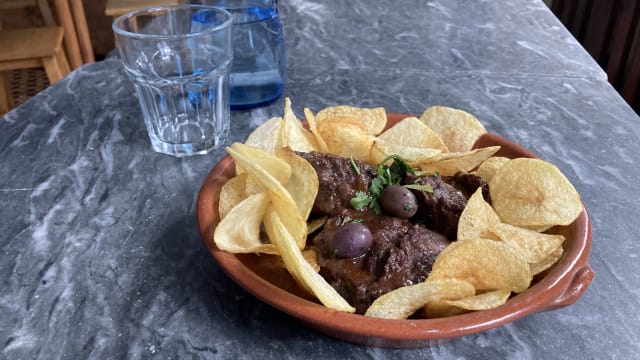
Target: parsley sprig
x: 388, y: 175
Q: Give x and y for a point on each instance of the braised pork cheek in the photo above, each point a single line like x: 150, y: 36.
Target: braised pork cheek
x: 439, y: 209
x: 402, y: 252
x: 339, y: 181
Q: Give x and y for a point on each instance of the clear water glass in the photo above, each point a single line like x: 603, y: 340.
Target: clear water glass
x: 180, y: 69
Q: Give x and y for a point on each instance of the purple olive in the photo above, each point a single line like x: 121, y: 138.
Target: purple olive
x: 399, y: 201
x: 351, y: 240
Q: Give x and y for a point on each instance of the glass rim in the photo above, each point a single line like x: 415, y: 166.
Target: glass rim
x: 121, y: 32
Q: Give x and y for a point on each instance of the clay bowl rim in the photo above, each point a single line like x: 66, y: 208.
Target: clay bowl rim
x: 560, y: 286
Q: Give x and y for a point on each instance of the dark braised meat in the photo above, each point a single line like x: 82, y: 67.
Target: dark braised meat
x: 402, y: 251
x: 339, y: 181
x: 469, y: 183
x: 402, y: 254
x: 439, y: 210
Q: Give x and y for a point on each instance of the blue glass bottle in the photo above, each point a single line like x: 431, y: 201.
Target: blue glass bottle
x: 259, y: 65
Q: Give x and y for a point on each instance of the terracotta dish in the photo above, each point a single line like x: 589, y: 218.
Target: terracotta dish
x: 559, y: 286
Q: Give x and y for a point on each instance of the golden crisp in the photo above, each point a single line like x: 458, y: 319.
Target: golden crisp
x: 535, y: 246
x: 266, y: 136
x: 374, y: 120
x: 239, y: 231
x: 231, y: 194
x: 381, y: 149
x: 412, y: 132
x: 458, y: 129
x: 403, y: 302
x: 276, y: 167
x: 486, y: 264
x: 546, y: 263
x: 303, y: 183
x: 313, y: 127
x: 282, y: 201
x: 448, y: 164
x: 484, y: 301
x: 346, y: 136
x: 534, y: 193
x: 293, y: 134
x: 490, y: 167
x: 477, y: 219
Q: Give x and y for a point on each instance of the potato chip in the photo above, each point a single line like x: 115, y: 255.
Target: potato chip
x: 374, y: 120
x: 294, y: 221
x: 477, y: 219
x: 313, y: 127
x: 310, y: 255
x: 381, y: 149
x: 303, y: 183
x: 316, y: 224
x: 239, y: 231
x: 299, y: 268
x: 403, y: 302
x: 265, y: 136
x: 489, y: 167
x: 458, y: 129
x: 537, y: 228
x: 484, y: 301
x: 533, y: 245
x: 438, y: 309
x: 414, y: 133
x: 450, y: 163
x: 295, y: 135
x: 486, y: 264
x: 231, y: 194
x: 282, y: 201
x: 253, y: 186
x: 531, y: 192
x: 346, y: 136
x: 546, y: 263
x: 276, y: 167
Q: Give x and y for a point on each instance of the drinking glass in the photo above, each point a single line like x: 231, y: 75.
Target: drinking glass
x: 259, y: 61
x: 178, y: 58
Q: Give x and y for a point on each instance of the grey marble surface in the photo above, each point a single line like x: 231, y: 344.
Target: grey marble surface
x: 100, y: 254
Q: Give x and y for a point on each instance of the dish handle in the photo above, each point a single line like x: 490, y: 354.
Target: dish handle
x: 576, y: 287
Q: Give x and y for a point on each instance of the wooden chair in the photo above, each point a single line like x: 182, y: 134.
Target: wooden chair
x: 116, y: 8
x: 30, y: 48
x: 610, y: 31
x: 71, y: 16
x: 42, y: 5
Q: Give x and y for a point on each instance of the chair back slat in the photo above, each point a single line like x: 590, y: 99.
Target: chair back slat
x: 610, y: 31
x: 601, y: 22
x: 631, y: 89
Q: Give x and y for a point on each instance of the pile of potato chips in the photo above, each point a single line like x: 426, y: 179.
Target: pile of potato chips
x: 499, y: 247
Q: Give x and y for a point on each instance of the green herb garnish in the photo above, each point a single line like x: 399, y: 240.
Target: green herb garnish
x: 425, y: 187
x: 361, y: 200
x: 354, y: 166
x: 388, y: 175
x: 348, y: 220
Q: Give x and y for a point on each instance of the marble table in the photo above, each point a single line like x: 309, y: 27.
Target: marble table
x: 100, y: 255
